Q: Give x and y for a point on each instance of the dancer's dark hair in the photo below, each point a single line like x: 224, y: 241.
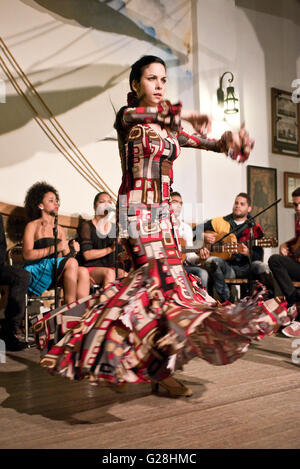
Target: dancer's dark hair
x: 135, y: 75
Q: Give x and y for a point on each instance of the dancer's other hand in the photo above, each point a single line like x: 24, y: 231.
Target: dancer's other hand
x: 237, y: 145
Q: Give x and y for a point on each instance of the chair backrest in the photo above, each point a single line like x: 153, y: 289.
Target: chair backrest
x: 15, y: 256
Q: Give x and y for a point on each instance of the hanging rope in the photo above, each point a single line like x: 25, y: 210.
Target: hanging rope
x: 59, y: 137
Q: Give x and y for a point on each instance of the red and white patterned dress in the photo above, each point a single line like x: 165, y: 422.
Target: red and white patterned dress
x: 158, y: 318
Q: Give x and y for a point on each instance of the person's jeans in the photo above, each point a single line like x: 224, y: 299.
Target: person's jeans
x: 285, y: 269
x: 199, y: 272
x: 219, y: 269
x: 18, y: 280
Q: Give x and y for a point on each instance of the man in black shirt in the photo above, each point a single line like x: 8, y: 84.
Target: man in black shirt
x: 18, y: 280
x: 285, y: 268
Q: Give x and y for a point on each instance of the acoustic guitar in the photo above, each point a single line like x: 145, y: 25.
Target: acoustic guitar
x: 228, y: 247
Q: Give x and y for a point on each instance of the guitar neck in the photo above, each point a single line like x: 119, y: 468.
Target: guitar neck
x: 232, y: 246
x: 217, y: 247
x: 262, y: 242
x: 187, y: 250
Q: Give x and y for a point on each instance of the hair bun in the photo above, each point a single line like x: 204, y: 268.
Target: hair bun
x: 132, y: 99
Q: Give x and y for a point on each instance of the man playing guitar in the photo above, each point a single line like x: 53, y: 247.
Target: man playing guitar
x: 285, y: 267
x: 237, y: 266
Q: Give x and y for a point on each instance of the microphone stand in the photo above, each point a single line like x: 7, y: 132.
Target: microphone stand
x: 251, y: 237
x: 117, y: 249
x: 55, y: 261
x: 250, y: 223
x: 116, y: 241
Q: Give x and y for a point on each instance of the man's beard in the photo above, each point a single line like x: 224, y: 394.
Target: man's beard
x: 239, y: 215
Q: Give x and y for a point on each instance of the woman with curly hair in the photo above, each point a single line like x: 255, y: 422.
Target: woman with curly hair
x: 41, y: 202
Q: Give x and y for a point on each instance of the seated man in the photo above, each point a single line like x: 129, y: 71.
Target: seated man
x: 18, y: 281
x: 285, y: 268
x: 239, y: 265
x: 185, y: 232
x: 97, y: 239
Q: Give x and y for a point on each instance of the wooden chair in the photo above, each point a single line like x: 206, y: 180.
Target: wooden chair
x: 236, y: 282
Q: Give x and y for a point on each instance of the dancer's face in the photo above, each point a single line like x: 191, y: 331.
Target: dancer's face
x: 49, y: 203
x: 152, y: 86
x: 241, y: 208
x: 296, y: 204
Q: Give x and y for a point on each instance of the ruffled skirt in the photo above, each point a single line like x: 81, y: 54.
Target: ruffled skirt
x: 102, y: 340
x: 152, y: 322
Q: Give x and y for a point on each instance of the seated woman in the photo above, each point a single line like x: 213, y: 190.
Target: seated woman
x: 97, y: 238
x: 42, y: 203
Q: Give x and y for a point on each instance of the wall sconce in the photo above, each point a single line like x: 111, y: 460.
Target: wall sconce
x: 230, y: 101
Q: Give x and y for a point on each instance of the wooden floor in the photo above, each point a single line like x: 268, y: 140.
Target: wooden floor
x: 253, y: 403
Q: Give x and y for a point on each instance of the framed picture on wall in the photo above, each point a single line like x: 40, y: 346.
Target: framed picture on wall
x: 290, y: 183
x: 285, y: 123
x: 262, y: 188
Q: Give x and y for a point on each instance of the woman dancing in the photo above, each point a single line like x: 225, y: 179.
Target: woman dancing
x: 41, y: 203
x: 149, y: 324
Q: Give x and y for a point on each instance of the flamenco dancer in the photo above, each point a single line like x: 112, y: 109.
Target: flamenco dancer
x: 149, y: 324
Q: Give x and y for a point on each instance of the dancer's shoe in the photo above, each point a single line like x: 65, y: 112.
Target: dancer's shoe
x: 174, y: 387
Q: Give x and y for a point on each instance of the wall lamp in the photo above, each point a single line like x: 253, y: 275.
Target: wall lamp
x: 230, y: 101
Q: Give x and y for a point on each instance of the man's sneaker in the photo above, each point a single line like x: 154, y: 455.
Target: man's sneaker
x: 293, y: 330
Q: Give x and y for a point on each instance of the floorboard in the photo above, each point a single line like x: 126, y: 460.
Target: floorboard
x: 251, y: 404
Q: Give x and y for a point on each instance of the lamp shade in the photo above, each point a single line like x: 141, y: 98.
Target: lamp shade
x: 231, y: 101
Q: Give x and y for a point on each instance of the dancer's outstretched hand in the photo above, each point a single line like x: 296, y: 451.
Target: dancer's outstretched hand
x: 200, y: 122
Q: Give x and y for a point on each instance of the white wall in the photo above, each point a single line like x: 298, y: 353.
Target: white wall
x: 64, y: 57
x: 262, y: 49
x: 79, y: 61
x: 217, y: 48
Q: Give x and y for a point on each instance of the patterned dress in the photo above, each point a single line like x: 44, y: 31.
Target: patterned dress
x: 158, y: 318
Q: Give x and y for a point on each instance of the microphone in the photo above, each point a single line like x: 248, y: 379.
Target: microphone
x: 110, y: 213
x: 105, y: 209
x: 54, y: 214
x: 109, y: 209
